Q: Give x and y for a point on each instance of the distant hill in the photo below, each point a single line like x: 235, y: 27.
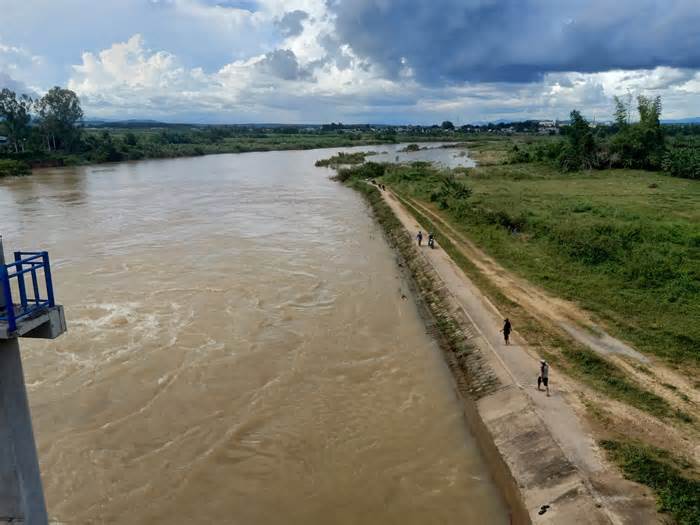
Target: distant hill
x: 687, y: 120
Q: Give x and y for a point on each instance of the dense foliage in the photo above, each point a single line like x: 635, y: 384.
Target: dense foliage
x: 645, y: 144
x: 57, y: 114
x: 13, y: 167
x: 682, y: 158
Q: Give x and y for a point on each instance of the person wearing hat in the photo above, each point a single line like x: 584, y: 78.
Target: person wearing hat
x: 544, y: 376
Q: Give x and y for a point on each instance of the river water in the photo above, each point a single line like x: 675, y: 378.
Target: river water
x: 238, y: 352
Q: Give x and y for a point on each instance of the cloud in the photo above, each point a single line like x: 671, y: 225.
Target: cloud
x: 518, y: 40
x: 282, y: 63
x: 291, y: 23
x: 203, y: 34
x: 6, y: 81
x: 17, y: 66
x: 392, y: 61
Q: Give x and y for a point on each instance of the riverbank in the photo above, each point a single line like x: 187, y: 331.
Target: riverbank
x: 540, y: 452
x: 640, y: 413
x: 117, y: 145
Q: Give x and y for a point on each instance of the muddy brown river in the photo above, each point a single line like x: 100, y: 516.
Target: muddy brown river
x: 238, y: 352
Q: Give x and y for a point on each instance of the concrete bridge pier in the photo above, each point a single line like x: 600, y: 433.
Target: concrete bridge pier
x: 30, y: 313
x: 21, y: 491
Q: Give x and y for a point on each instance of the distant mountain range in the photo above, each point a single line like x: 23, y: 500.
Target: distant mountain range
x: 687, y: 120
x: 149, y: 123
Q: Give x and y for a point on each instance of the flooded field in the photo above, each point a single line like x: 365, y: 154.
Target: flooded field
x: 238, y: 352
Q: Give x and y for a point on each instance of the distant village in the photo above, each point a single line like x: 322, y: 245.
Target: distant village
x: 539, y: 127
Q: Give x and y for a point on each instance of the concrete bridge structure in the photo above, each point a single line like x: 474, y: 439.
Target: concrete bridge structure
x: 27, y: 309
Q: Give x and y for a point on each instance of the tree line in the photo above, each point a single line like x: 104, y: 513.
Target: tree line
x: 639, y: 144
x: 51, y: 122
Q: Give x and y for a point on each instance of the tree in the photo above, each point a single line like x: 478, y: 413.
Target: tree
x: 581, y: 151
x: 622, y: 114
x: 16, y: 114
x: 130, y: 139
x: 642, y: 144
x: 651, y: 132
x: 60, y: 114
x: 447, y: 125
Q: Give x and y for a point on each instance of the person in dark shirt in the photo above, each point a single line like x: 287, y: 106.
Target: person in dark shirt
x: 544, y: 376
x: 420, y: 237
x: 507, y: 328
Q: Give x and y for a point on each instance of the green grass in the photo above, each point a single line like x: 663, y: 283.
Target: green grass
x: 580, y: 362
x: 677, y: 488
x: 623, y: 244
x: 673, y: 480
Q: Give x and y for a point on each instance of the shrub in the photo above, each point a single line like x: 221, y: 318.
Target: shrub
x: 683, y: 160
x: 368, y: 170
x: 518, y: 155
x: 13, y: 167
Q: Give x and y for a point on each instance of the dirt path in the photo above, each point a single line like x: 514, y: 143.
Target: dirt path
x: 574, y: 321
x: 619, y: 500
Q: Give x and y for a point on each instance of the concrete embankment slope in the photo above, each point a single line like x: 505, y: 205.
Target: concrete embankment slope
x: 542, y: 454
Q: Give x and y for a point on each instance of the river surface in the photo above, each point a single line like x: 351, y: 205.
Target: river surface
x: 238, y: 351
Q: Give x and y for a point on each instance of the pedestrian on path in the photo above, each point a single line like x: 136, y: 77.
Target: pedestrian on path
x: 420, y: 237
x: 506, y: 330
x: 544, y: 376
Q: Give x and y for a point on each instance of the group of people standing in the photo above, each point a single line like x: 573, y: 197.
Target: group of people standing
x: 543, y: 378
x: 431, y: 239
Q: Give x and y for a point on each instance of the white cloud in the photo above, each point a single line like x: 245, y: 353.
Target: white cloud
x: 18, y: 67
x: 205, y: 60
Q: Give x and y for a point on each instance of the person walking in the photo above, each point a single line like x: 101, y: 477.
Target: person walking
x: 507, y: 328
x: 420, y: 237
x: 544, y: 376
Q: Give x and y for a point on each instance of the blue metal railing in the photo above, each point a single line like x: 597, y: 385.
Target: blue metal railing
x: 25, y: 263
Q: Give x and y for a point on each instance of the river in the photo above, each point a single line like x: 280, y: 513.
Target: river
x: 238, y: 351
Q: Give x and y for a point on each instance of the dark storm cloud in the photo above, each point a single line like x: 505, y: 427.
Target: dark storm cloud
x: 519, y: 40
x: 291, y: 23
x: 282, y: 63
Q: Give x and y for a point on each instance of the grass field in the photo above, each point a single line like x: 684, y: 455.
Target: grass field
x: 623, y: 244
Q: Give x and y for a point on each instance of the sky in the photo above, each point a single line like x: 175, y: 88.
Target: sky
x: 353, y: 61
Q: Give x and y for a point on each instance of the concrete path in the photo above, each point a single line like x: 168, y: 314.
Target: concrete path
x: 549, y: 449
x: 539, y: 303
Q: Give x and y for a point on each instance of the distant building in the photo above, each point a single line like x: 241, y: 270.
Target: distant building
x: 4, y: 140
x: 547, y: 127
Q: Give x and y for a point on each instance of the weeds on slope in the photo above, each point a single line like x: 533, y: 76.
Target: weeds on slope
x: 677, y: 488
